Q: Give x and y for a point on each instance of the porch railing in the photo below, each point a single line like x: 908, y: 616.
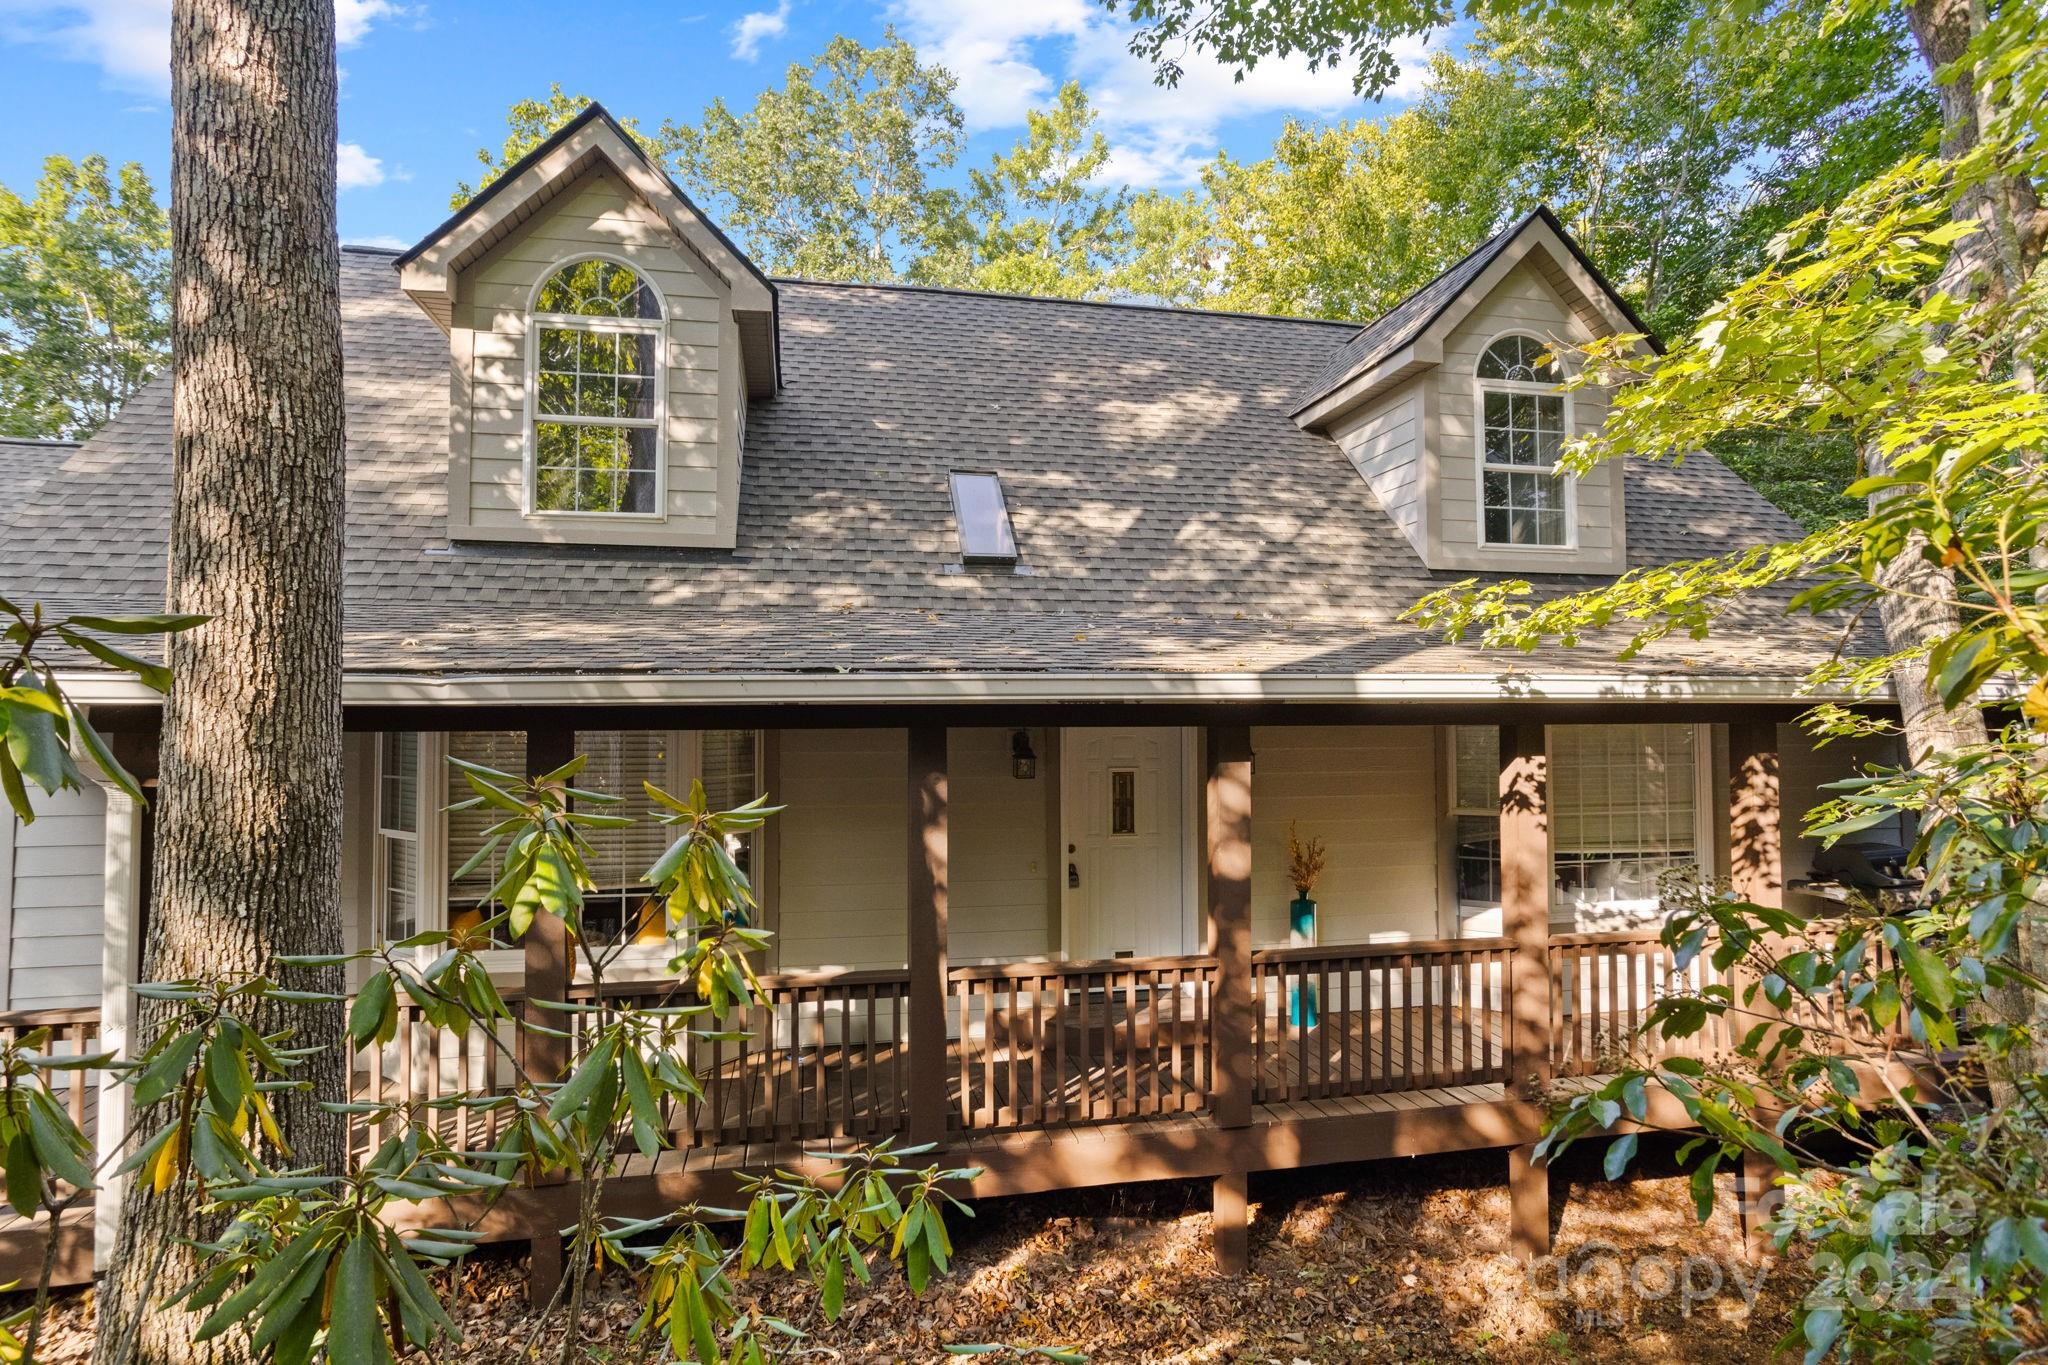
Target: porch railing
x: 73, y: 1033
x: 1334, y: 1021
x: 823, y: 1058
x: 1070, y: 1042
x: 1602, y: 988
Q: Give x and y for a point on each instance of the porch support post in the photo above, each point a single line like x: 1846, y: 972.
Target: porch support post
x: 1529, y: 1203
x: 1525, y: 921
x: 1228, y: 809
x: 1756, y: 838
x: 543, y: 1057
x: 927, y: 938
x: 1756, y: 873
x: 1230, y: 1216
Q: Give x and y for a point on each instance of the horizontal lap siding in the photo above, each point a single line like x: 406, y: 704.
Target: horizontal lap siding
x: 996, y: 838
x: 58, y: 889
x: 600, y: 216
x: 1385, y: 443
x: 1369, y: 792
x: 1525, y: 300
x: 844, y: 842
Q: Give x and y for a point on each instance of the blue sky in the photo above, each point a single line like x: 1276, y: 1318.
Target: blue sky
x: 425, y: 84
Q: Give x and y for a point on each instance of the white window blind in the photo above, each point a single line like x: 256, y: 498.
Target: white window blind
x: 620, y: 761
x: 1623, y: 803
x: 504, y: 750
x: 729, y: 767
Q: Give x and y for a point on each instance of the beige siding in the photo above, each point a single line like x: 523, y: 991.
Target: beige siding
x: 700, y: 463
x: 1369, y: 792
x: 1525, y: 300
x: 844, y: 848
x: 1384, y: 440
x: 997, y: 846
x: 57, y: 893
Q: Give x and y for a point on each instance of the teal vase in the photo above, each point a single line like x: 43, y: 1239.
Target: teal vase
x: 1301, y: 933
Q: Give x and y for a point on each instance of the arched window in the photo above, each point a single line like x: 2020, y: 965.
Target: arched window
x: 1521, y: 433
x: 597, y: 402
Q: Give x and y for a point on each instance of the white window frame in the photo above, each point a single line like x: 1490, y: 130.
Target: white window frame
x: 1570, y: 482
x: 656, y: 327
x: 428, y: 912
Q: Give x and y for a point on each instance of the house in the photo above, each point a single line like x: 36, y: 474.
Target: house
x: 1047, y: 620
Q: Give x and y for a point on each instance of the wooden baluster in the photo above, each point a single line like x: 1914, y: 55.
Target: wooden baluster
x: 1061, y: 1111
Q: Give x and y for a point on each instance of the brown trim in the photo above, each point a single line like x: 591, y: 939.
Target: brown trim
x: 1229, y: 839
x: 929, y: 858
x: 1525, y: 897
x: 1756, y: 840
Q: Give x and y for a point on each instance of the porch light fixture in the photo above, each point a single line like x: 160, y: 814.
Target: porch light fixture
x: 1023, y: 762
x: 982, y: 518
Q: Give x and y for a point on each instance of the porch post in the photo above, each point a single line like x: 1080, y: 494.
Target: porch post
x: 1756, y: 873
x: 1229, y: 826
x: 927, y: 936
x: 1756, y: 845
x: 1525, y: 921
x: 544, y: 1057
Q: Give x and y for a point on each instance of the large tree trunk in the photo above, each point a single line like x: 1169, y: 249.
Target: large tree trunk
x: 248, y: 845
x: 1989, y: 265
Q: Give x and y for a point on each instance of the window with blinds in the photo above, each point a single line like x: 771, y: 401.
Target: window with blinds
x: 504, y: 750
x: 1623, y: 811
x: 729, y: 765
x: 620, y: 761
x: 398, y: 834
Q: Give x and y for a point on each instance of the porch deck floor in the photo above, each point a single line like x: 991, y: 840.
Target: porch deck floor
x: 967, y: 1147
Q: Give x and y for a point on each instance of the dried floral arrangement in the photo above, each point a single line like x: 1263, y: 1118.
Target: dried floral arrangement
x: 1306, y: 859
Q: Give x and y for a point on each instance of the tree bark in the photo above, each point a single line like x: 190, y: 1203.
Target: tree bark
x: 1920, y: 606
x: 248, y: 851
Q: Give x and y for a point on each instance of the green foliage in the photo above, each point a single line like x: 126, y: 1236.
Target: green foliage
x: 84, y: 311
x: 830, y: 175
x: 1901, y: 324
x: 528, y: 123
x: 1036, y: 220
x: 39, y: 725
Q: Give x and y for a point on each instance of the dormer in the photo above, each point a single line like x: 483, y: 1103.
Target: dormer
x: 1450, y: 409
x: 604, y: 341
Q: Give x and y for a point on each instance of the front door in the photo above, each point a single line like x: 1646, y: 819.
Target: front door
x: 1124, y: 816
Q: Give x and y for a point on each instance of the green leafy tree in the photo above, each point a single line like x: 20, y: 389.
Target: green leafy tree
x: 84, y: 316
x: 529, y: 123
x: 830, y: 175
x: 1037, y: 220
x: 1904, y: 322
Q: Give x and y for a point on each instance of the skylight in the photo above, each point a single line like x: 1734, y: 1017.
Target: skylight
x: 983, y: 518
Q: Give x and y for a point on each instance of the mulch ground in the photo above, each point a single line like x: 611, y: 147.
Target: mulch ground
x: 1395, y: 1261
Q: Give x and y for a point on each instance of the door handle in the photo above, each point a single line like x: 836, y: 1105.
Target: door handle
x: 1073, y: 877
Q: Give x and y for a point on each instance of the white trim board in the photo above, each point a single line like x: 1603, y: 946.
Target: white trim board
x: 106, y: 688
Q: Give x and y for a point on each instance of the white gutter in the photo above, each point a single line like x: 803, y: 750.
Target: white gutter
x: 913, y: 689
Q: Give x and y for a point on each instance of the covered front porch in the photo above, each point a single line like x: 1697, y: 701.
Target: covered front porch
x: 1057, y: 1069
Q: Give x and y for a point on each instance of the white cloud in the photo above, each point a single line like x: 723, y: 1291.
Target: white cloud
x: 752, y: 30
x: 380, y: 239
x: 352, y: 18
x: 1011, y: 57
x: 130, y: 40
x: 356, y: 169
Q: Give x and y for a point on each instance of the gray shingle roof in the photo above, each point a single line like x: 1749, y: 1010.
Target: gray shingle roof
x: 24, y: 464
x: 1171, y: 515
